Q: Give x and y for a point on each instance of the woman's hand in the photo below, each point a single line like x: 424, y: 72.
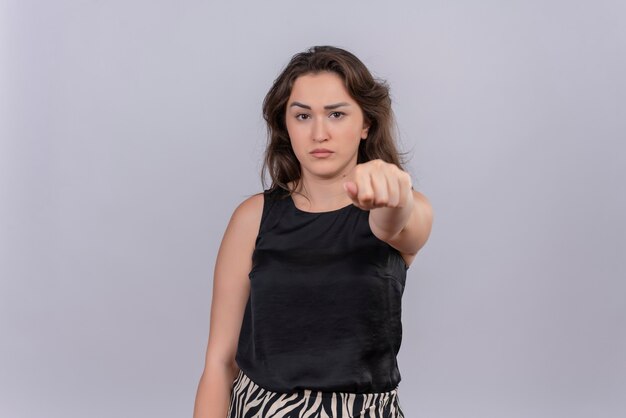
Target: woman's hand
x: 378, y: 184
x: 400, y: 216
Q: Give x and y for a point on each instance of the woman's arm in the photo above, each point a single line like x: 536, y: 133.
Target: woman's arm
x: 399, y: 215
x: 406, y: 229
x: 231, y: 289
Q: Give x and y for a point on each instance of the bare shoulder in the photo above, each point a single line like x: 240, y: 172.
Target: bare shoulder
x: 247, y: 215
x: 425, y: 207
x: 251, y: 207
x: 244, y: 224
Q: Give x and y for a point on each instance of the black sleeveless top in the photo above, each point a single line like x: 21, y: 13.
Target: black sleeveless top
x: 324, y: 311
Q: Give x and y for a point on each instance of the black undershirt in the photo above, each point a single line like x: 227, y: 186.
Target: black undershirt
x: 324, y: 311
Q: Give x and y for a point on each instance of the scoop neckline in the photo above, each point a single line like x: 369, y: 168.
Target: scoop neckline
x: 293, y: 204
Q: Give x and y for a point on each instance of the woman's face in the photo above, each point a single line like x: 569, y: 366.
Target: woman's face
x: 325, y: 125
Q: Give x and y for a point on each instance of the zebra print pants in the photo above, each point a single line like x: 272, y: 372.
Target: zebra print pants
x: 249, y: 400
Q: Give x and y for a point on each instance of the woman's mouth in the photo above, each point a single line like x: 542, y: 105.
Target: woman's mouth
x: 321, y: 152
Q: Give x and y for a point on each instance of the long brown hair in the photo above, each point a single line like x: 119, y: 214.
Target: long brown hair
x: 371, y: 94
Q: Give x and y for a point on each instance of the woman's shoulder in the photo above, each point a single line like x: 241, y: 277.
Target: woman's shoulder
x: 250, y: 209
x: 245, y: 221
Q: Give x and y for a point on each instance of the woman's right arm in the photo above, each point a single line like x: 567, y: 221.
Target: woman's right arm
x: 231, y: 288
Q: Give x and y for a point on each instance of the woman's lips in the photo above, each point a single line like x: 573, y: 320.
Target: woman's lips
x: 321, y: 153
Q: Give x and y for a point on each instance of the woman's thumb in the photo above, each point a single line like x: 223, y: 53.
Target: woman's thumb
x: 351, y: 189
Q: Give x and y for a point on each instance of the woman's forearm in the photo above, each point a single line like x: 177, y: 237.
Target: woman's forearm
x: 388, y: 222
x: 214, y: 391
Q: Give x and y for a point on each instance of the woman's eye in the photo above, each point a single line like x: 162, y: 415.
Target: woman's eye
x: 302, y: 116
x: 336, y: 115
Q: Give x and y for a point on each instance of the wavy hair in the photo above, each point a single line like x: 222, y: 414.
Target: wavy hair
x: 371, y: 94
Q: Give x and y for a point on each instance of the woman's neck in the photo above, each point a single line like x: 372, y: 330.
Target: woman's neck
x: 321, y: 194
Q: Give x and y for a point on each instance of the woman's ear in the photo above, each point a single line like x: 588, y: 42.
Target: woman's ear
x: 365, y: 130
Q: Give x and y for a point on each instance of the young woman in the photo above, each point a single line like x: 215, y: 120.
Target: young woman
x: 306, y: 308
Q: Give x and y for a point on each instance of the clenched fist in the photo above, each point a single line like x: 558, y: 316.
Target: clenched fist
x: 378, y: 184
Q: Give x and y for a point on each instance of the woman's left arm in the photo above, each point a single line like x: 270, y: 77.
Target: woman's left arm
x: 399, y: 215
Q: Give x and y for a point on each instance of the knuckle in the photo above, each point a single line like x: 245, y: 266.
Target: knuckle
x: 382, y: 201
x: 367, y: 197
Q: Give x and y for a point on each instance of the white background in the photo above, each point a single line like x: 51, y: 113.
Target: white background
x: 130, y: 130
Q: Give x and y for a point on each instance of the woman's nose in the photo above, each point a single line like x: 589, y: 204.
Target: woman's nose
x: 320, y: 133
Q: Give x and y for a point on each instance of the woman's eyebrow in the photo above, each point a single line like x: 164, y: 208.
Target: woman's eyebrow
x: 327, y: 107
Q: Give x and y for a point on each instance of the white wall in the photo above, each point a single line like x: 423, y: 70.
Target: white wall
x: 130, y: 130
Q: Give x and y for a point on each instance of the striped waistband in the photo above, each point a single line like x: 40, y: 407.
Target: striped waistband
x: 243, y: 380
